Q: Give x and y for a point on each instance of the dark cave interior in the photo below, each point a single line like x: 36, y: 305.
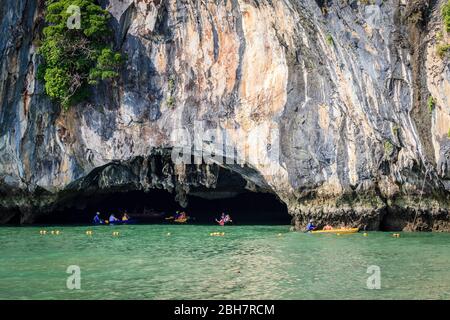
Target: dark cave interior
x: 154, y: 206
x: 204, y: 205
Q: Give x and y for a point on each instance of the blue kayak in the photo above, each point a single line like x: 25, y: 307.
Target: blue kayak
x: 129, y: 221
x: 118, y: 222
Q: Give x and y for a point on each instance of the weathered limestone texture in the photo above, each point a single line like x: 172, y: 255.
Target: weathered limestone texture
x: 344, y: 83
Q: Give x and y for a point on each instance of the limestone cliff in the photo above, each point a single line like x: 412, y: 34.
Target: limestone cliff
x: 344, y: 83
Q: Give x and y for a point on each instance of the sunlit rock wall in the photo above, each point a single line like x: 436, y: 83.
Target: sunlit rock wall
x: 337, y: 89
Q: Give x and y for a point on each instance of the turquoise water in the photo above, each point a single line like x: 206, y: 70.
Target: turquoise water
x: 249, y: 262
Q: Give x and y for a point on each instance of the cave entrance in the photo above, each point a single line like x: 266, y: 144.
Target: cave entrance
x: 204, y: 205
x: 153, y: 206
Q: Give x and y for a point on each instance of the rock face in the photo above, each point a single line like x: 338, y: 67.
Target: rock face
x: 337, y: 90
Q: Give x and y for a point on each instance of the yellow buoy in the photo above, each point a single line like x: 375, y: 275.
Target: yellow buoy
x: 57, y: 232
x: 115, y: 233
x: 168, y: 234
x: 217, y: 234
x: 365, y: 234
x: 338, y: 234
x: 396, y: 235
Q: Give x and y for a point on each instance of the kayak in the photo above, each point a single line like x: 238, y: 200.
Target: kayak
x: 179, y: 220
x: 221, y: 223
x: 335, y: 231
x: 119, y: 222
x: 129, y: 221
x: 184, y: 220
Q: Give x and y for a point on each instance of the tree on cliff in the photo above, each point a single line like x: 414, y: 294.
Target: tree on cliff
x: 76, y: 49
x: 446, y: 15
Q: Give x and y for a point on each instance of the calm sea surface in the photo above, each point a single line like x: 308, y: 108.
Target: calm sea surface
x: 248, y: 262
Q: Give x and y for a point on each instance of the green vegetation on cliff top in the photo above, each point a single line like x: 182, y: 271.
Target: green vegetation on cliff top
x: 76, y: 49
x: 444, y: 48
x: 446, y: 15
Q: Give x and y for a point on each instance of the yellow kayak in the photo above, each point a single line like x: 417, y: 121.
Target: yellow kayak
x: 181, y: 220
x: 184, y: 220
x: 340, y: 231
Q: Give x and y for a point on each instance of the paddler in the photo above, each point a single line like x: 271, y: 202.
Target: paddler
x: 112, y: 218
x: 222, y: 219
x: 227, y: 218
x: 125, y: 217
x: 310, y: 226
x: 97, y: 219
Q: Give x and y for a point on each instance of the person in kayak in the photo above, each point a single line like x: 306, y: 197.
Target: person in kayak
x: 227, y: 218
x: 310, y: 226
x: 112, y: 218
x: 125, y: 217
x: 224, y: 219
x: 221, y: 221
x: 97, y: 219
